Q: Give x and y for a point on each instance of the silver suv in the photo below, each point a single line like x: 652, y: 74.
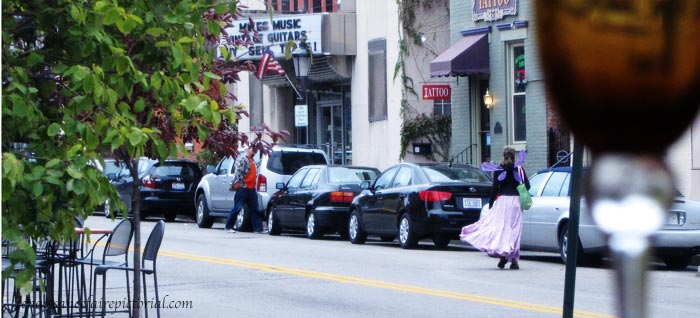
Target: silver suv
x: 214, y: 200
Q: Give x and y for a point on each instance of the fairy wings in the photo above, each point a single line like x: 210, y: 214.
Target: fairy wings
x: 491, y: 167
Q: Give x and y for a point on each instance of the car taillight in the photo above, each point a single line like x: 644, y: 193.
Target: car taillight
x: 262, y: 183
x: 434, y: 196
x: 148, y: 183
x: 342, y: 197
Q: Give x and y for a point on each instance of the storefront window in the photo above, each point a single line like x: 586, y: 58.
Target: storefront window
x: 518, y: 84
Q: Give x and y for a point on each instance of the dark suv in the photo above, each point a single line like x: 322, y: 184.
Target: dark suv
x: 169, y: 188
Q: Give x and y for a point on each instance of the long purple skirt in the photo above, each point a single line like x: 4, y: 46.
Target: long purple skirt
x: 498, y: 233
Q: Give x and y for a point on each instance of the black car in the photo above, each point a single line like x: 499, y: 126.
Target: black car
x: 169, y: 188
x: 316, y: 199
x: 416, y: 201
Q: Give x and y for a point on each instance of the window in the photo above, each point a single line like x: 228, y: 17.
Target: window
x: 403, y: 178
x: 442, y: 107
x: 536, y: 182
x: 295, y: 181
x: 385, y: 179
x: 310, y: 177
x: 377, y: 80
x: 308, y: 6
x: 288, y: 162
x: 554, y: 184
x: 517, y: 88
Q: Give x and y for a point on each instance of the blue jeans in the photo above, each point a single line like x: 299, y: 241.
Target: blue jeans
x: 249, y: 197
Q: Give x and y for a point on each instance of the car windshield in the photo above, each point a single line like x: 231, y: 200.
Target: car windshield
x: 350, y: 175
x: 451, y: 174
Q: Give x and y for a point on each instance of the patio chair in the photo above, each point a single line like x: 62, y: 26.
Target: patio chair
x: 116, y: 247
x: 148, y: 266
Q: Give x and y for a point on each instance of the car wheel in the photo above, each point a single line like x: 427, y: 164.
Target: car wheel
x: 355, y: 232
x: 202, y: 215
x: 108, y: 210
x: 441, y: 241
x: 273, y: 224
x: 243, y: 223
x: 312, y: 229
x: 564, y: 245
x: 407, y: 237
x: 677, y: 261
x: 387, y: 238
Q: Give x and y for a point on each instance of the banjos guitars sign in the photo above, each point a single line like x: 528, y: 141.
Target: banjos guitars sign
x: 274, y: 34
x: 436, y: 92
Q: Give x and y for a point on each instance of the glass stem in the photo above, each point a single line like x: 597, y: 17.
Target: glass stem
x: 630, y: 255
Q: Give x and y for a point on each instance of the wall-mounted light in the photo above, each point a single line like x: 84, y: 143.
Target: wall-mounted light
x: 488, y: 99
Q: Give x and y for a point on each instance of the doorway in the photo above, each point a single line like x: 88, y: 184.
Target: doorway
x: 335, y: 126
x: 484, y: 125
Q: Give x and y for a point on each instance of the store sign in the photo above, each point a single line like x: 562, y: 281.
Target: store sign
x: 274, y: 34
x: 437, y: 92
x: 493, y: 10
x: 301, y: 115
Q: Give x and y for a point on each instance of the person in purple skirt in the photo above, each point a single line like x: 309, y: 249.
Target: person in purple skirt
x: 498, y: 232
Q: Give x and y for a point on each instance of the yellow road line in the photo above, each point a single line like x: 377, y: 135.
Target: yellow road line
x: 385, y: 285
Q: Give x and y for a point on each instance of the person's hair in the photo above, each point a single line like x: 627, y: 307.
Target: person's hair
x: 508, y: 156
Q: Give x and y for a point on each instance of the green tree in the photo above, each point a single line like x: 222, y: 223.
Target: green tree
x: 84, y: 79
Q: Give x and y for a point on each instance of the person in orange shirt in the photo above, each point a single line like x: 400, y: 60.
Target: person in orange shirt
x: 244, y: 178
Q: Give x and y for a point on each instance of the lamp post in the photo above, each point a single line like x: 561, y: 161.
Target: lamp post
x: 302, y: 64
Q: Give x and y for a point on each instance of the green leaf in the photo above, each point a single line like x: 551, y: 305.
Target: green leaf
x: 185, y: 40
x: 212, y: 75
x: 78, y: 186
x: 53, y: 162
x: 53, y: 130
x: 75, y: 173
x: 155, y: 31
x: 38, y: 189
x: 140, y: 105
x: 135, y: 137
x: 34, y: 59
x: 162, y: 44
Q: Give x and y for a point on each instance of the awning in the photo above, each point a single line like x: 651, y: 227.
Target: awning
x: 468, y: 56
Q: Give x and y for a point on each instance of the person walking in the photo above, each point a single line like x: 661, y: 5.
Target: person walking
x: 498, y: 233
x: 244, y: 179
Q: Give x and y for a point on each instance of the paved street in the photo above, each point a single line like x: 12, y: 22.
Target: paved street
x: 207, y: 273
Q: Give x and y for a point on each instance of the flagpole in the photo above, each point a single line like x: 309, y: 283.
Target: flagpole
x: 293, y: 87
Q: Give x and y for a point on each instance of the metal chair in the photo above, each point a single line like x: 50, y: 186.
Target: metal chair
x: 150, y: 253
x: 148, y: 265
x: 117, y: 246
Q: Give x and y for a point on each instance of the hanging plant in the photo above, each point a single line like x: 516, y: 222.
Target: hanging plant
x: 435, y: 130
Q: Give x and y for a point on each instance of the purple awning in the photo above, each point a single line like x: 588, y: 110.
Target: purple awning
x: 470, y: 55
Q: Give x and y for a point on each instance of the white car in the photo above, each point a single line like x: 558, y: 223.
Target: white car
x: 545, y: 224
x: 214, y: 200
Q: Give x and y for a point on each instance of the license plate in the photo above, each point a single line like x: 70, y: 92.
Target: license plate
x: 178, y: 186
x: 471, y: 203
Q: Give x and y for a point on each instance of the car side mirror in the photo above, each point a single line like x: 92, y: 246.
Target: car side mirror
x: 280, y: 186
x: 365, y: 185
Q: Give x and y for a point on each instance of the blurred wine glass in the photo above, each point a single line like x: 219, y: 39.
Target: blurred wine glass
x: 624, y: 76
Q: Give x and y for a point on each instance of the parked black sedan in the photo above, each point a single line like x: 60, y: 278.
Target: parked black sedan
x: 416, y: 201
x: 169, y: 188
x: 316, y: 199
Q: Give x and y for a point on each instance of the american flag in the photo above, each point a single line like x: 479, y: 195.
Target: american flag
x: 268, y: 65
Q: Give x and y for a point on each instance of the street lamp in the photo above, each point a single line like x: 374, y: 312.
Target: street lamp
x: 302, y: 63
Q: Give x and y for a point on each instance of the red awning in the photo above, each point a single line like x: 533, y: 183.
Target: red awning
x: 470, y: 55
